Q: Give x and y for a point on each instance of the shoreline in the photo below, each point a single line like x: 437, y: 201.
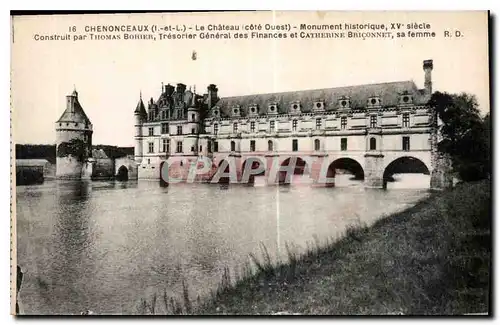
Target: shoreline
x: 430, y: 259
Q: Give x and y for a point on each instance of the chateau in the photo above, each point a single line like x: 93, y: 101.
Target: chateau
x: 365, y: 128
x: 373, y: 131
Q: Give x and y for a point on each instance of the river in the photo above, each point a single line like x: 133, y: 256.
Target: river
x: 102, y: 246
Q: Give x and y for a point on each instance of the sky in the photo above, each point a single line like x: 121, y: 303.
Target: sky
x: 110, y: 75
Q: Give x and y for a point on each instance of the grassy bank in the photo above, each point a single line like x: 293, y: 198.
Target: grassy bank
x: 430, y: 259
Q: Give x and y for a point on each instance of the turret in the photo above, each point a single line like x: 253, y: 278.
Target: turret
x: 140, y: 116
x: 73, y: 139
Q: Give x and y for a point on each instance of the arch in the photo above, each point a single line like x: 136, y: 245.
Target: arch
x: 299, y: 169
x: 373, y: 143
x: 404, y: 165
x: 343, y: 165
x: 316, y: 144
x: 248, y: 167
x: 270, y: 145
x: 122, y: 174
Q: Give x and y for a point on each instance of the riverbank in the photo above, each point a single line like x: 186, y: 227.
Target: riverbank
x: 432, y: 259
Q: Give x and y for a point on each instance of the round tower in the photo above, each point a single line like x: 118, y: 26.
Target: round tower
x: 193, y: 118
x: 140, y: 116
x: 73, y: 139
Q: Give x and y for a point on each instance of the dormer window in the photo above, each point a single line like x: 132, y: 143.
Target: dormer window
x: 373, y: 102
x: 253, y: 110
x: 295, y: 108
x: 405, y: 99
x: 272, y: 108
x: 236, y: 110
x: 216, y: 112
x: 319, y: 105
x: 344, y: 102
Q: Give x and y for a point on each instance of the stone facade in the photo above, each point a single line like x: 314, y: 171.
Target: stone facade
x: 375, y: 125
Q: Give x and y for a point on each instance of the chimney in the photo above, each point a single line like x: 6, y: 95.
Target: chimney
x: 428, y: 65
x: 181, y: 88
x: 169, y: 89
x: 212, y: 95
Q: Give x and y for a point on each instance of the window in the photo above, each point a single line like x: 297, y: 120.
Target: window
x: 406, y: 143
x: 235, y: 127
x: 271, y: 126
x: 343, y: 144
x: 343, y: 122
x: 192, y: 148
x: 192, y: 131
x: 294, y: 125
x: 252, y: 145
x: 216, y: 146
x: 270, y: 146
x: 373, y: 144
x: 192, y: 117
x: 165, y: 146
x: 216, y: 129
x: 316, y: 144
x: 373, y: 121
x: 201, y: 148
x: 252, y: 126
x: 318, y: 123
x: 151, y: 131
x: 149, y: 161
x: 233, y: 146
x: 179, y: 146
x: 163, y: 115
x: 295, y: 145
x: 179, y: 129
x: 406, y: 120
x: 151, y: 147
x: 209, y: 147
x: 164, y: 128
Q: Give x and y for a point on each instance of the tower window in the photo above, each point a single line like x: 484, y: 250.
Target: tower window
x: 252, y: 145
x: 216, y: 129
x: 373, y: 144
x: 406, y: 143
x: 192, y: 131
x: 192, y: 117
x: 294, y: 125
x: 295, y: 145
x: 406, y: 120
x: 270, y: 146
x: 252, y: 126
x: 164, y: 128
x: 316, y: 144
x: 179, y: 129
x: 235, y: 127
x: 216, y: 146
x: 373, y: 121
x: 151, y: 131
x: 343, y: 144
x: 179, y: 146
x: 271, y: 126
x: 343, y: 122
x: 151, y: 147
x: 233, y: 146
x: 192, y: 148
x: 318, y: 123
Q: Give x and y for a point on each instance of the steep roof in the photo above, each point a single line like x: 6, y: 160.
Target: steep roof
x: 388, y: 92
x: 140, y: 108
x: 74, y: 113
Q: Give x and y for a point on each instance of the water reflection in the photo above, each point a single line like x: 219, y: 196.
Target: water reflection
x: 104, y: 245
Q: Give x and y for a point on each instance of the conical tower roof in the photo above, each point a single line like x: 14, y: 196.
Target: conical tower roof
x: 74, y: 111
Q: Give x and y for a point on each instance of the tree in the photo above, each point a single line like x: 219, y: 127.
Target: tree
x: 75, y: 147
x: 465, y: 134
